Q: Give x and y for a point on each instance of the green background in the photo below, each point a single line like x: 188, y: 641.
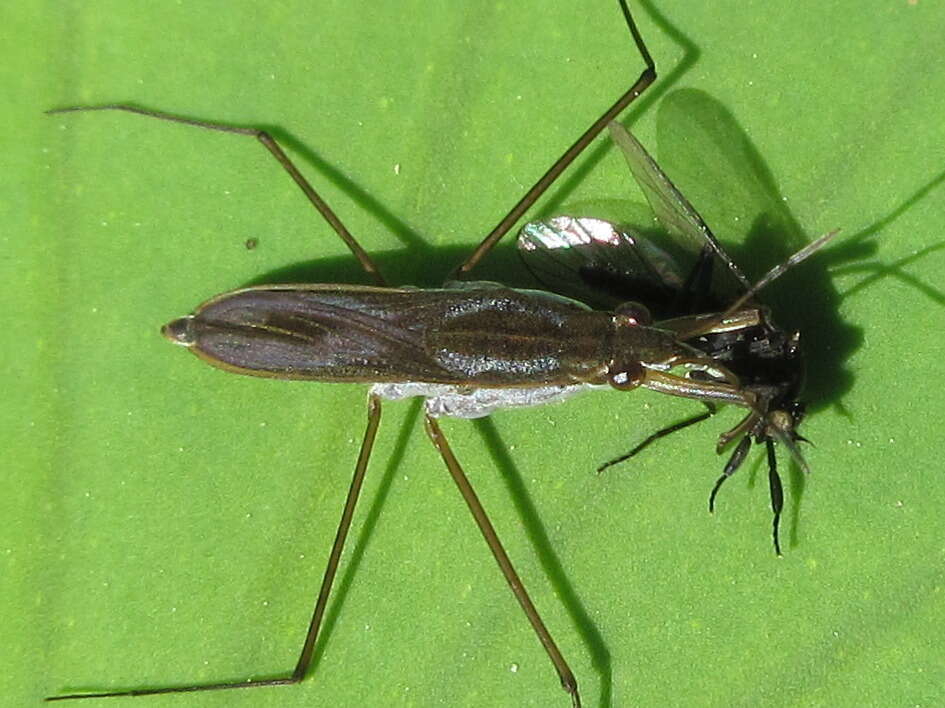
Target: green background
x: 167, y: 523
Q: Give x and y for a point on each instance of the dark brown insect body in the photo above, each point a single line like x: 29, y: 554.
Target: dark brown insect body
x: 473, y: 336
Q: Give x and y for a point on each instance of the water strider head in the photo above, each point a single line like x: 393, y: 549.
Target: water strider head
x: 641, y: 351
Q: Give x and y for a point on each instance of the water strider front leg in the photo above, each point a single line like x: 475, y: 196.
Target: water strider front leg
x: 710, y: 392
x: 706, y: 391
x: 568, y: 681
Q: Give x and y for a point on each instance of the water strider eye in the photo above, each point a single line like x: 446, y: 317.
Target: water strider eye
x: 626, y: 376
x: 633, y: 313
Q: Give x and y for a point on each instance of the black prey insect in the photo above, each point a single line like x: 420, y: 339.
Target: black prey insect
x: 618, y: 313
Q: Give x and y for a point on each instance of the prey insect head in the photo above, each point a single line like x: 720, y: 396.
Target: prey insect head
x: 781, y: 425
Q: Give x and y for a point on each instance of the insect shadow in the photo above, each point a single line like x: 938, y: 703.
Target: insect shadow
x: 702, y: 147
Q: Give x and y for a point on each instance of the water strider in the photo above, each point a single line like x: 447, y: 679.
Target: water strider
x: 618, y: 313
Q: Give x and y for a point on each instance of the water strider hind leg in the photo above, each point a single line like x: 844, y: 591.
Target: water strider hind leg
x: 374, y: 408
x: 308, y: 646
x: 568, y: 681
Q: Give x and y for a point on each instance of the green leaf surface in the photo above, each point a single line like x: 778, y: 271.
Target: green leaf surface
x: 168, y: 524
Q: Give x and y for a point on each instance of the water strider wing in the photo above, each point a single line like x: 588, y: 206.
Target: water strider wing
x: 489, y: 336
x: 317, y: 332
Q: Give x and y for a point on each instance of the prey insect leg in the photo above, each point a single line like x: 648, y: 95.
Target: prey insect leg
x: 568, y: 682
x: 662, y: 433
x: 647, y: 77
x: 277, y: 152
x: 308, y: 646
x: 777, y: 493
x: 774, y: 483
x: 734, y: 462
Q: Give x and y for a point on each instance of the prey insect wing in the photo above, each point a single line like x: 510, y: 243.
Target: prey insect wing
x: 675, y: 213
x: 599, y: 263
x: 604, y: 264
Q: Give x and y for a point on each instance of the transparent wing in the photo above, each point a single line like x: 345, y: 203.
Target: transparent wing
x: 598, y: 263
x: 675, y: 212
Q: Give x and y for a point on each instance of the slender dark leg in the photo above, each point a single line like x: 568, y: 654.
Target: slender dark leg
x: 305, y: 657
x: 777, y: 493
x: 657, y: 435
x: 774, y: 483
x: 647, y: 77
x: 273, y: 147
x: 568, y: 682
x: 734, y: 462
